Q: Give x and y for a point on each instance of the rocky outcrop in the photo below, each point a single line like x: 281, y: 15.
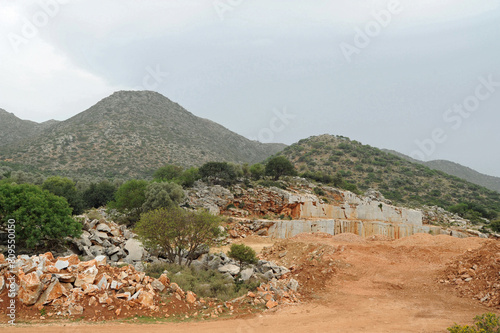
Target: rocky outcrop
x: 302, y: 204
x: 106, y: 238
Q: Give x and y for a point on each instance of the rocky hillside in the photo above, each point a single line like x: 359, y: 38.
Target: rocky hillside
x: 132, y: 133
x: 398, y: 179
x: 15, y: 130
x: 457, y: 170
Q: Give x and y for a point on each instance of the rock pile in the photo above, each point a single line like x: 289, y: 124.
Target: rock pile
x: 69, y: 285
x: 274, y: 293
x: 436, y: 215
x: 209, y: 197
x: 66, y: 286
x: 106, y: 238
x: 476, y: 274
x: 241, y: 228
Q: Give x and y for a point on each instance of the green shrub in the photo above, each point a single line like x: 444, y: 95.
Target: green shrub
x: 40, y: 216
x: 242, y: 253
x: 156, y: 269
x: 65, y: 187
x: 495, y: 225
x: 162, y: 195
x: 203, y: 282
x: 486, y: 323
x: 279, y: 166
x: 319, y: 191
x: 130, y: 197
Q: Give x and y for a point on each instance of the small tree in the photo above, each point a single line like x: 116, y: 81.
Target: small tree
x: 65, y: 187
x: 218, y: 173
x: 168, y: 173
x: 174, y: 230
x: 495, y: 225
x: 279, y: 166
x: 162, y: 195
x: 189, y: 176
x: 130, y: 197
x: 40, y: 215
x: 242, y: 253
x: 100, y: 194
x: 257, y: 171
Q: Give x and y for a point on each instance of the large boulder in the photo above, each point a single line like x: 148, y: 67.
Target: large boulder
x: 134, y: 249
x: 246, y: 274
x: 87, y: 276
x: 53, y: 291
x: 229, y: 268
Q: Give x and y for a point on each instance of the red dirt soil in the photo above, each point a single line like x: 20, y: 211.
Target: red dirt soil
x: 351, y: 284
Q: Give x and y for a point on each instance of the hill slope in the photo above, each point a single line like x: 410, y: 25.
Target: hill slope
x: 398, y: 179
x: 457, y: 170
x: 14, y: 130
x: 132, y: 133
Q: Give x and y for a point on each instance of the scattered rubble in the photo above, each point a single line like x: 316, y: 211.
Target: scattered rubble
x: 476, y: 274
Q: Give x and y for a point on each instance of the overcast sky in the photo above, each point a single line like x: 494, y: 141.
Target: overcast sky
x: 420, y: 77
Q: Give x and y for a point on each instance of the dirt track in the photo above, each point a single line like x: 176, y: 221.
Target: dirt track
x: 381, y: 286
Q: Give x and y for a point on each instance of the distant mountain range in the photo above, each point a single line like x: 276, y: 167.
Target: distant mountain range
x: 130, y: 133
x: 457, y: 170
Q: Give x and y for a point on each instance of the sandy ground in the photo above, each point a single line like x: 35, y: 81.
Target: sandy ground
x: 381, y: 286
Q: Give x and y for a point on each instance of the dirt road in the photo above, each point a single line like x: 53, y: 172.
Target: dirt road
x: 381, y: 286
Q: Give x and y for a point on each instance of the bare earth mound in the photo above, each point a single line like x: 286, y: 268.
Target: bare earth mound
x: 356, y: 285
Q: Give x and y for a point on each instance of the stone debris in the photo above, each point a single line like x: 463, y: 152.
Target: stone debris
x: 476, y: 274
x: 94, y: 283
x: 82, y: 283
x: 106, y: 239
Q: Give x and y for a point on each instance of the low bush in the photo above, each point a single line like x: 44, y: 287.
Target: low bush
x: 203, y: 282
x: 486, y: 323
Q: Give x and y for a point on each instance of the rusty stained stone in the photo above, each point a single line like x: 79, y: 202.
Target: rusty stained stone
x: 157, y: 285
x: 87, y: 276
x: 271, y: 304
x: 175, y: 287
x: 48, y: 255
x: 146, y: 299
x: 72, y: 259
x: 164, y: 279
x: 53, y: 291
x: 190, y: 297
x: 30, y: 288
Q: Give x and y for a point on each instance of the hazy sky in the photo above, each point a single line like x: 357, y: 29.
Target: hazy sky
x: 421, y: 77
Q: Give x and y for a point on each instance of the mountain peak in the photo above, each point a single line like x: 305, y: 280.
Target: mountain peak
x: 132, y: 133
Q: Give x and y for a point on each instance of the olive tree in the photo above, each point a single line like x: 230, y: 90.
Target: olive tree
x: 175, y: 231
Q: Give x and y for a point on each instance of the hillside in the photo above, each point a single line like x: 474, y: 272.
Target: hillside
x: 457, y: 170
x: 398, y: 179
x: 14, y: 130
x: 132, y: 133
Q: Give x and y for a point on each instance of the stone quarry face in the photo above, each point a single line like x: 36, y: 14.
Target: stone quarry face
x: 342, y: 212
